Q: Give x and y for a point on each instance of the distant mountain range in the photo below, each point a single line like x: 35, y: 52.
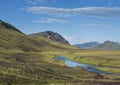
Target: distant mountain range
x: 87, y: 45
x: 107, y: 45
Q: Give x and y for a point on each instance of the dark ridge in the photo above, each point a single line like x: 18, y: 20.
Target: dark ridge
x: 8, y: 26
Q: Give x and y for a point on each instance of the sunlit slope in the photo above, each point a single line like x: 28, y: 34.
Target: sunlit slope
x: 48, y: 44
x: 11, y: 39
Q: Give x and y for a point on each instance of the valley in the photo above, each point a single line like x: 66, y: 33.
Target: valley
x: 59, y: 42
x: 30, y: 60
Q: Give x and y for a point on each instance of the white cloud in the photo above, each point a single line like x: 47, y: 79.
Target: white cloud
x: 96, y: 25
x: 88, y: 11
x: 51, y: 20
x: 73, y: 40
x: 35, y: 2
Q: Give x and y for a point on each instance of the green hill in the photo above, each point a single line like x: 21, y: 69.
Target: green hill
x: 11, y: 38
x: 8, y: 26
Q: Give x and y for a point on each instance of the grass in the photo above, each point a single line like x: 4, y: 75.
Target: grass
x: 26, y: 67
x: 30, y: 60
x: 34, y: 66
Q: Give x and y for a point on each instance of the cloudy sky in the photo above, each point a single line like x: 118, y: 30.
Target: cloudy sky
x: 78, y: 21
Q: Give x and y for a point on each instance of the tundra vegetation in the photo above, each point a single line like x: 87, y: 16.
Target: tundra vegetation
x: 29, y: 60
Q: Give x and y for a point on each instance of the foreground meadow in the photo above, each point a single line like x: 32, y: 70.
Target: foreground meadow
x: 40, y: 68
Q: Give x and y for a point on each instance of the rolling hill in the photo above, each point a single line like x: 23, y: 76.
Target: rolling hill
x: 12, y: 38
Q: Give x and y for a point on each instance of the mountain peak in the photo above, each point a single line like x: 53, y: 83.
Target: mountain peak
x: 52, y: 35
x: 8, y: 26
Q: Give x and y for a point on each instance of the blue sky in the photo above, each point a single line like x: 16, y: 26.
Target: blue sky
x: 78, y: 21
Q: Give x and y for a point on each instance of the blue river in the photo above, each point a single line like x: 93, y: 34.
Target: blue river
x: 91, y: 68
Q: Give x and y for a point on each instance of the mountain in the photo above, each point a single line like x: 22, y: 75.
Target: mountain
x: 87, y: 45
x: 108, y: 45
x: 53, y: 36
x: 12, y: 38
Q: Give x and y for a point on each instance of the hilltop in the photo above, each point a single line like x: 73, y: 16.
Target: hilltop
x: 53, y: 36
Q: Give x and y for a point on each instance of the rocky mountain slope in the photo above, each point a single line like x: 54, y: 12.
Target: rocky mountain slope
x: 53, y: 36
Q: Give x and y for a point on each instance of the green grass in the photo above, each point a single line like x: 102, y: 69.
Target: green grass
x: 30, y: 60
x: 26, y: 67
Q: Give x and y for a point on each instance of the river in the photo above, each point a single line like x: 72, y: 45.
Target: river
x: 91, y: 68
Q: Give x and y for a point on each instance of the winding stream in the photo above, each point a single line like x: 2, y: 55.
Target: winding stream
x: 70, y: 63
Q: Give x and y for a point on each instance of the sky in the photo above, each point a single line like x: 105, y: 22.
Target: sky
x: 78, y: 21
